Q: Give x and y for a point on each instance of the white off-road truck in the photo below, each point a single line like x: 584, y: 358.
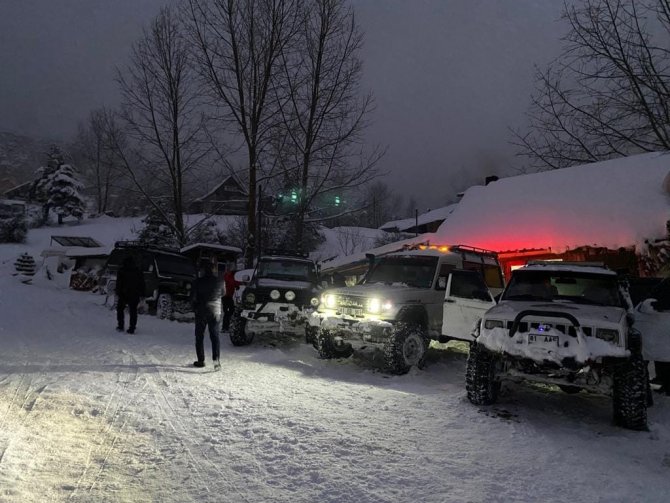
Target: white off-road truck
x: 279, y: 297
x: 566, y: 324
x: 408, y: 298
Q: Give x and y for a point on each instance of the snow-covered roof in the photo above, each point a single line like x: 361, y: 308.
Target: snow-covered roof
x: 424, y: 218
x: 235, y: 179
x: 612, y: 204
x: 211, y: 246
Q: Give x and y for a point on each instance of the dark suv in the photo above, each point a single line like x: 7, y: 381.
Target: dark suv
x: 167, y: 276
x: 279, y: 297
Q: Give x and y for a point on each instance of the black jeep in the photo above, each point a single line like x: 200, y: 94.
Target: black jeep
x: 167, y: 276
x: 279, y: 297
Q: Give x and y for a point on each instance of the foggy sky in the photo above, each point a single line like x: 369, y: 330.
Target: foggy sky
x: 449, y: 77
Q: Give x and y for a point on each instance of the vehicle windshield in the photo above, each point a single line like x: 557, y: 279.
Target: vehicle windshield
x: 564, y: 286
x: 169, y: 265
x: 411, y: 271
x: 286, y: 270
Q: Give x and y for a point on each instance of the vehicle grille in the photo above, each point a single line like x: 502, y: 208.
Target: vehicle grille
x: 350, y: 301
x: 566, y: 329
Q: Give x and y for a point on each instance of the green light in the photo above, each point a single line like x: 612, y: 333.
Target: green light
x: 337, y: 200
x: 294, y: 196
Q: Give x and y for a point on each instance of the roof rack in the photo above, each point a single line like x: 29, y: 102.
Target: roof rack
x: 284, y: 253
x: 568, y: 263
x: 139, y: 244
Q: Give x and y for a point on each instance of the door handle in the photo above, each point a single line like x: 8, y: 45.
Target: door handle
x: 451, y: 301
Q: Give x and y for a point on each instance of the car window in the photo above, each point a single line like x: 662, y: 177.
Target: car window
x: 468, y: 285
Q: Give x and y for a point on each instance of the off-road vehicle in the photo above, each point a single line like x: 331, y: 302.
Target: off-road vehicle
x: 567, y: 324
x: 279, y: 297
x: 407, y: 298
x: 167, y: 276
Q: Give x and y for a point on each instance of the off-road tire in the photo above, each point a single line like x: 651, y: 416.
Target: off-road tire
x: 238, y: 330
x: 165, y: 306
x: 481, y: 384
x: 629, y: 396
x: 325, y: 345
x: 405, y: 348
x: 310, y: 334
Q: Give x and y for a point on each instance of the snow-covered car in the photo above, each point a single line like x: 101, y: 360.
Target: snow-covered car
x: 566, y: 324
x: 168, y: 276
x: 278, y: 297
x: 408, y: 298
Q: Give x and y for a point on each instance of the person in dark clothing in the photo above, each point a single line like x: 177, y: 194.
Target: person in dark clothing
x: 206, y: 300
x: 129, y: 290
x: 231, y: 284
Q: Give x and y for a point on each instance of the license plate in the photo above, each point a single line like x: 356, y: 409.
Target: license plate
x: 546, y: 340
x: 352, y: 311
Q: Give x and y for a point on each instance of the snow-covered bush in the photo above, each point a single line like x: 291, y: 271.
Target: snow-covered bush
x: 13, y: 229
x: 156, y: 230
x: 64, y: 191
x: 25, y: 265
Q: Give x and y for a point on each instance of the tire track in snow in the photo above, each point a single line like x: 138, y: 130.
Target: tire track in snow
x: 173, y: 419
x: 109, y: 434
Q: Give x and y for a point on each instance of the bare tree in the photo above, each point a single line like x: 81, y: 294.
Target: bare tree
x: 237, y: 47
x: 96, y: 158
x: 323, y: 112
x: 163, y: 118
x: 608, y: 94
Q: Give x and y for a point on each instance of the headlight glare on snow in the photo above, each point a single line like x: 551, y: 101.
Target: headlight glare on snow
x: 274, y: 294
x: 290, y: 295
x: 608, y: 334
x: 491, y: 324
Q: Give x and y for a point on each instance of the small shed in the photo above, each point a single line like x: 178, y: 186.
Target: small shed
x: 609, y: 211
x: 213, y: 253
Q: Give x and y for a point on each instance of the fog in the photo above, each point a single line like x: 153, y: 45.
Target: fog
x: 450, y: 77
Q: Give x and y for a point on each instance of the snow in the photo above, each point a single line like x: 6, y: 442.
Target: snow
x: 424, y: 218
x: 211, y: 246
x: 89, y: 414
x: 624, y: 199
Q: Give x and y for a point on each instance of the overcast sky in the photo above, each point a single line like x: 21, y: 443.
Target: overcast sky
x: 449, y: 76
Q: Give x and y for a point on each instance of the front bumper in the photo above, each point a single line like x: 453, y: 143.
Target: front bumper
x: 276, y: 316
x: 353, y: 330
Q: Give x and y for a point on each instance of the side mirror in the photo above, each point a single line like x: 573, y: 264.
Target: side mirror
x: 245, y: 278
x: 442, y: 283
x: 648, y: 306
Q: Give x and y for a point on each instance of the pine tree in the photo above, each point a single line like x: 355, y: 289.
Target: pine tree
x: 43, y: 179
x: 65, y: 193
x: 156, y: 231
x: 25, y: 265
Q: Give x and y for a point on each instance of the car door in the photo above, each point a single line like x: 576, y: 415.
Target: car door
x: 466, y: 299
x: 653, y: 322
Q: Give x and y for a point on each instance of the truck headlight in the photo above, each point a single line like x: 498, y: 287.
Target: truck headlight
x: 329, y: 300
x: 290, y: 295
x: 250, y: 298
x: 374, y: 305
x: 608, y: 334
x: 274, y: 294
x: 491, y: 324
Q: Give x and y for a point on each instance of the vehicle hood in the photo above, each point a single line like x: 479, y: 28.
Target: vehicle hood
x: 288, y: 285
x: 587, y: 315
x: 381, y: 290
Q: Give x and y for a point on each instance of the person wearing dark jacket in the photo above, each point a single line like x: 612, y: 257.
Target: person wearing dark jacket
x: 129, y: 289
x: 231, y: 285
x: 206, y: 300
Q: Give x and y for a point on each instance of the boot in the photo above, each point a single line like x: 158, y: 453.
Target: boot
x: 198, y: 364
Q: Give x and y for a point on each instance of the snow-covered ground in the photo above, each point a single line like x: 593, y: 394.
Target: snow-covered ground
x: 89, y: 414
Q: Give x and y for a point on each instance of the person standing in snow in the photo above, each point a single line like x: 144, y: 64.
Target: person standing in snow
x: 231, y: 284
x: 206, y: 300
x: 129, y: 290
